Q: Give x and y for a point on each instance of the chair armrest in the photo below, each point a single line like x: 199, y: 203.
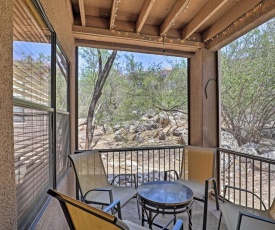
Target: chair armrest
x: 109, y: 190
x: 112, y: 205
x: 168, y: 171
x: 125, y: 174
x: 178, y: 225
x: 242, y: 190
x: 241, y: 214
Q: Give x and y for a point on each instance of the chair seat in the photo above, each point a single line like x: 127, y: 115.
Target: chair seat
x: 124, y: 194
x: 198, y: 189
x: 230, y: 214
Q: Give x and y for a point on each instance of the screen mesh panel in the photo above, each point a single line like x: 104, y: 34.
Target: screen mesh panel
x: 31, y: 143
x: 62, y: 142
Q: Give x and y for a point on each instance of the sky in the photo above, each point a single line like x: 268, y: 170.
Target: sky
x: 147, y: 60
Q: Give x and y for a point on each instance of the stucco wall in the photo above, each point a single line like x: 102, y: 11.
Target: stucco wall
x: 7, y: 178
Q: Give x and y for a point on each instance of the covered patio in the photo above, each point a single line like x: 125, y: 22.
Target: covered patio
x: 38, y: 124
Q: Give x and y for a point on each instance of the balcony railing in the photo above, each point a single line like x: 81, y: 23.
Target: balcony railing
x: 148, y: 163
x: 248, y: 172
x: 245, y: 171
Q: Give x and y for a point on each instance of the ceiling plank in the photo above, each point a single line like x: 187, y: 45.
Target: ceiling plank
x: 82, y: 12
x: 229, y: 17
x: 127, y: 38
x: 144, y: 13
x: 114, y: 14
x: 210, y: 8
x: 173, y: 15
x: 252, y: 19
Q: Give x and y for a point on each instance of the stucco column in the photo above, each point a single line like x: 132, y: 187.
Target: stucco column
x: 8, y: 219
x: 203, y: 96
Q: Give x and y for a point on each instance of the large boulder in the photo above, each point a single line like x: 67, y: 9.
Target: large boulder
x: 228, y: 141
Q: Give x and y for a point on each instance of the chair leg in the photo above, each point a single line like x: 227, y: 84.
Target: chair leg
x: 220, y: 221
x: 138, y: 209
x: 216, y: 195
x: 205, y: 207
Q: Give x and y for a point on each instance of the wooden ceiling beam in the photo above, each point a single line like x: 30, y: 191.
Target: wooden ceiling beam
x: 70, y: 11
x: 82, y: 12
x: 133, y: 48
x: 173, y: 15
x: 127, y: 38
x: 210, y: 8
x: 229, y: 17
x: 114, y: 14
x: 144, y: 13
x: 252, y: 19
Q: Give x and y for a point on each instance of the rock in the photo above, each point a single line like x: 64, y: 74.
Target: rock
x: 162, y: 136
x: 228, y: 141
x: 181, y: 140
x: 132, y: 128
x: 248, y: 148
x: 163, y: 120
x: 141, y: 127
x: 98, y: 132
x: 116, y: 128
x: 138, y: 137
x: 179, y: 131
x: 120, y: 138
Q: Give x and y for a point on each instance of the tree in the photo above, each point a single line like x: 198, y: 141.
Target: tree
x: 99, y: 82
x: 248, y: 84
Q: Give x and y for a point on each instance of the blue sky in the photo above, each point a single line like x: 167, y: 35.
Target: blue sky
x: 33, y: 49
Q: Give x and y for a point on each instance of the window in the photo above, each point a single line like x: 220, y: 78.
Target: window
x: 40, y: 91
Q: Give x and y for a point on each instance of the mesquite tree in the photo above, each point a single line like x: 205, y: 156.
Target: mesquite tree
x: 103, y: 73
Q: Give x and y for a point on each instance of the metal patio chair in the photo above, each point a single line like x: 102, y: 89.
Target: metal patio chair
x: 93, y: 183
x: 241, y: 217
x: 201, y: 174
x: 81, y: 216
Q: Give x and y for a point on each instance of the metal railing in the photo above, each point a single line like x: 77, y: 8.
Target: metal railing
x: 248, y: 172
x: 147, y: 163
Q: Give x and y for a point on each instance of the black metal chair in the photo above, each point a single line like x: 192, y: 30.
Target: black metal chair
x: 81, y: 216
x: 241, y: 217
x: 200, y: 176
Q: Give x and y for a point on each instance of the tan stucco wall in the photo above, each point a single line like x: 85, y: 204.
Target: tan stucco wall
x: 7, y: 178
x: 203, y: 111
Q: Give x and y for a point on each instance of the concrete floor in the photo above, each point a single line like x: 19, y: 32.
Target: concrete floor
x: 129, y: 212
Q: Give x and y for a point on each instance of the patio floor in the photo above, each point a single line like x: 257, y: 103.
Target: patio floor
x: 129, y: 212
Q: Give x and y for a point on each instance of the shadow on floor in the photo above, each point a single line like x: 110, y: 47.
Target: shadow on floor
x: 129, y: 212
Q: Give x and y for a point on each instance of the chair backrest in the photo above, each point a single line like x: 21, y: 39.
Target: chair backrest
x: 201, y: 163
x: 89, y: 170
x: 81, y: 216
x: 271, y: 210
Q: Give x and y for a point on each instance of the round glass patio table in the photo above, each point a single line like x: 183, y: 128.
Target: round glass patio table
x: 164, y: 197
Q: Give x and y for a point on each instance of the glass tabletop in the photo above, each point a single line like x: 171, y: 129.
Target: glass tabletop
x: 165, y: 192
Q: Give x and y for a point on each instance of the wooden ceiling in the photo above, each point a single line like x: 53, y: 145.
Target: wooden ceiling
x: 176, y: 27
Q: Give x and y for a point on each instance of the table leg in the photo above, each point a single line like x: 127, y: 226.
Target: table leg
x: 150, y: 220
x: 142, y: 216
x: 189, y: 212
